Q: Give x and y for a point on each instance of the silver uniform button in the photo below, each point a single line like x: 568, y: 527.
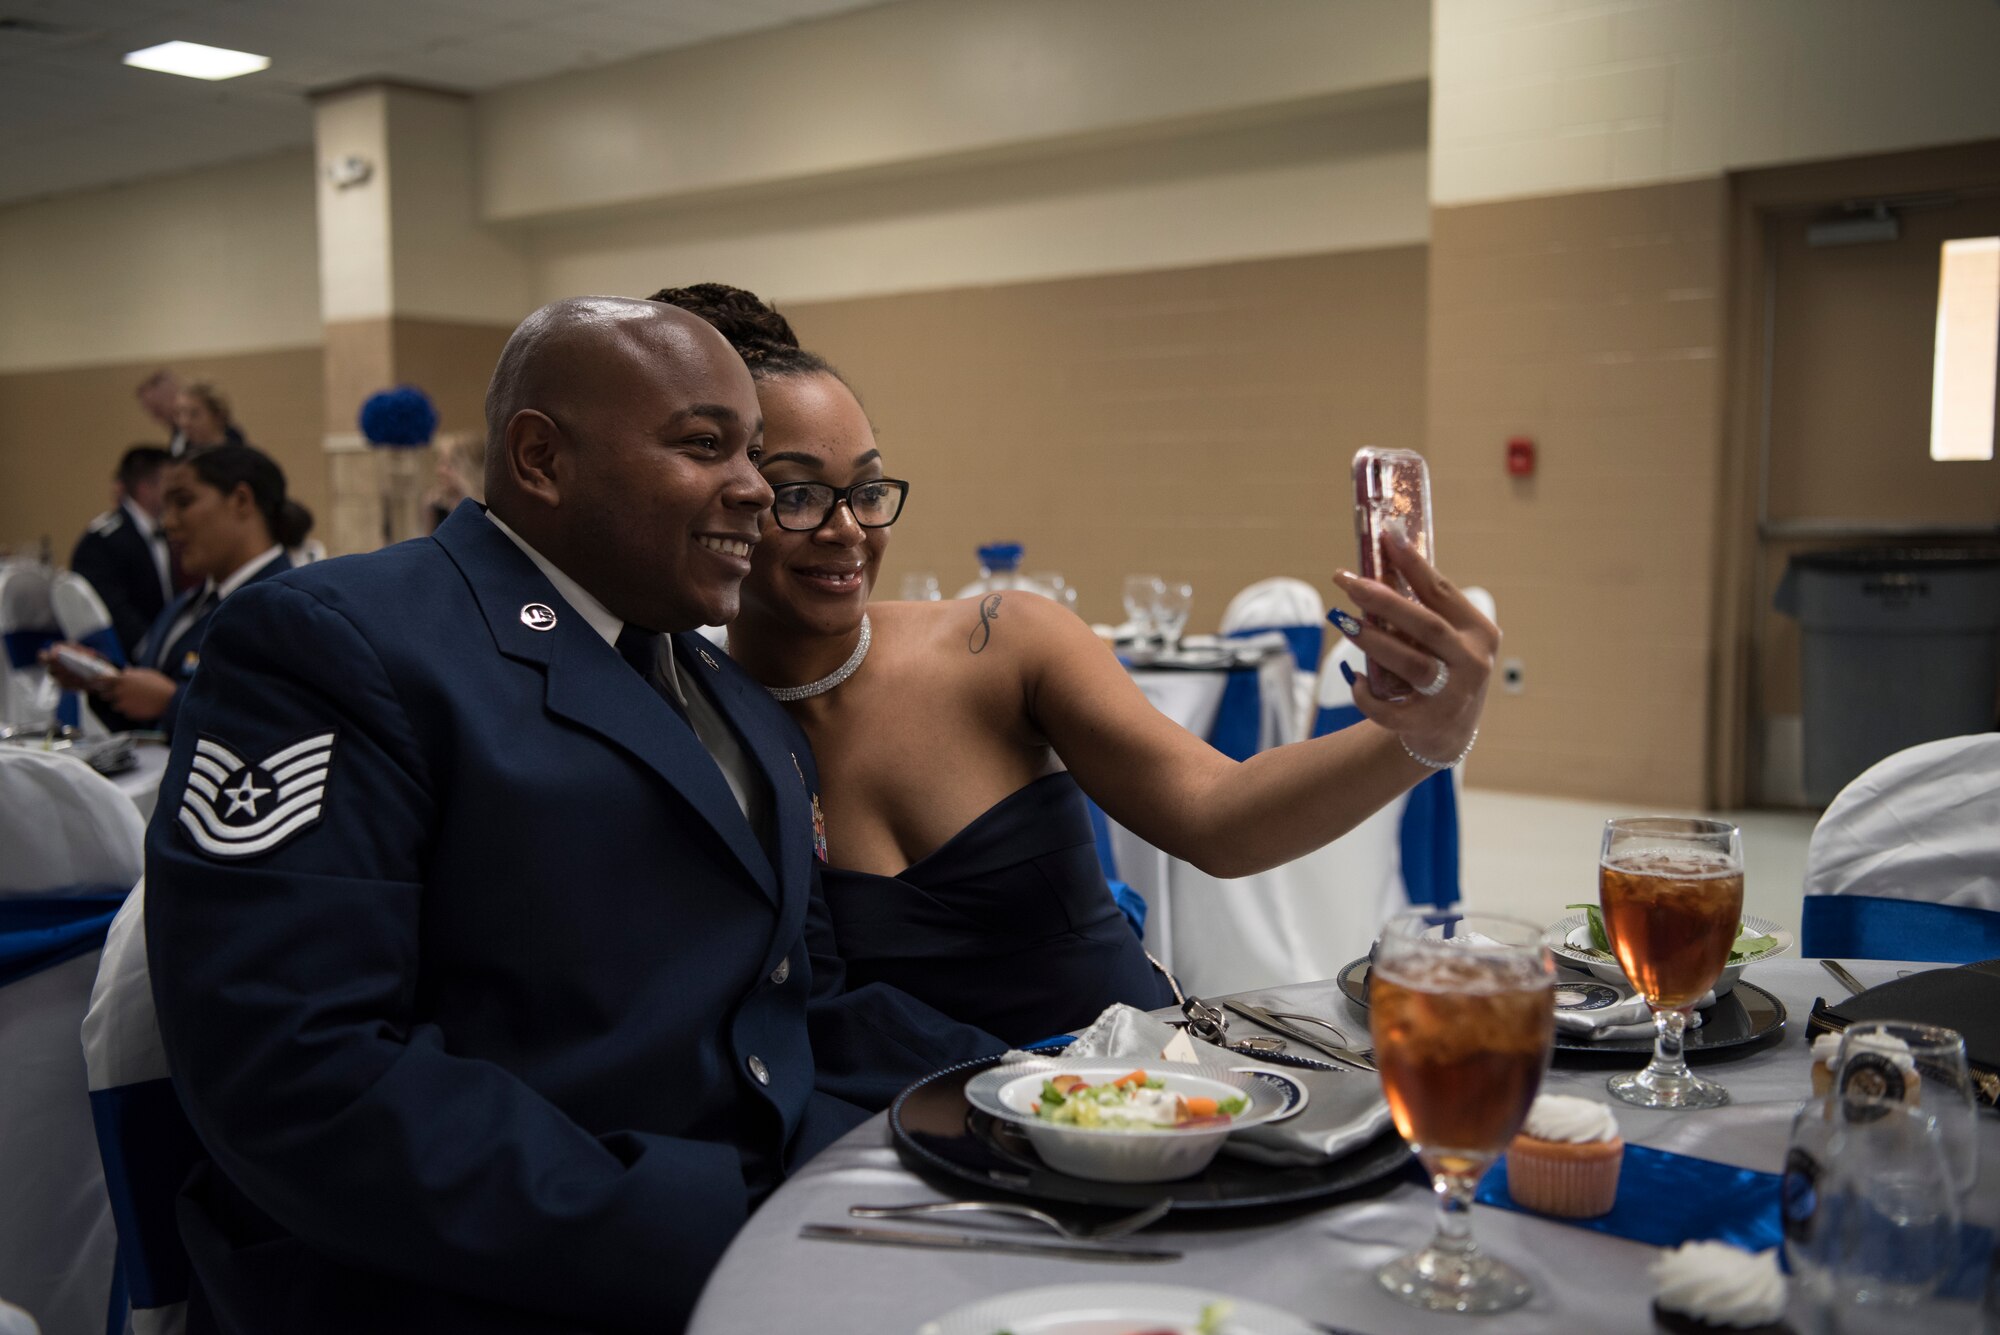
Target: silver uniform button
x: 782, y: 972
x: 759, y: 1070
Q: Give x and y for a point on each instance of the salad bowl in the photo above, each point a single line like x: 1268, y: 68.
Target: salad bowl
x: 1116, y: 1129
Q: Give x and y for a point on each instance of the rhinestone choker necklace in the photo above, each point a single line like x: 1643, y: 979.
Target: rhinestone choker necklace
x: 787, y: 694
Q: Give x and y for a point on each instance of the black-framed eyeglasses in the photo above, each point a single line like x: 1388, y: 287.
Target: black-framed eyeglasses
x: 803, y: 506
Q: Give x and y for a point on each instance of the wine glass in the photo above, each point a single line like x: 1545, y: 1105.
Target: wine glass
x: 1879, y: 1057
x: 1672, y: 894
x: 1140, y: 591
x: 921, y: 586
x: 1462, y: 1011
x: 1171, y: 604
x: 1888, y: 1231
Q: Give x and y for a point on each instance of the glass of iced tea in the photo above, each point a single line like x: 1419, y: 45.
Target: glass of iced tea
x: 1672, y: 894
x: 1462, y: 1010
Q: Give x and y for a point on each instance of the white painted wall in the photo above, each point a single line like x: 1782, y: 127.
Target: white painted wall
x: 1534, y: 97
x: 921, y: 81
x: 221, y: 260
x: 1337, y: 181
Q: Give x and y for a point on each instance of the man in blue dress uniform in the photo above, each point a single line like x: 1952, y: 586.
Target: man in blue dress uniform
x: 124, y: 555
x: 481, y: 913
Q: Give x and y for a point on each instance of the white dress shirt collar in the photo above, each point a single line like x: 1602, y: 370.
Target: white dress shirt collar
x: 241, y: 575
x: 142, y: 521
x: 601, y: 618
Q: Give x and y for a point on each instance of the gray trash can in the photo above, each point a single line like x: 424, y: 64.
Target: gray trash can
x: 1901, y: 646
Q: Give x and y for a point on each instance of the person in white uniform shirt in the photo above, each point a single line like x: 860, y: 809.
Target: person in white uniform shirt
x: 229, y: 520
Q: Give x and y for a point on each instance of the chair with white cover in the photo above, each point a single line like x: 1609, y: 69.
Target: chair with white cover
x: 82, y: 616
x: 1292, y: 608
x: 1905, y: 864
x: 73, y: 852
x: 28, y: 696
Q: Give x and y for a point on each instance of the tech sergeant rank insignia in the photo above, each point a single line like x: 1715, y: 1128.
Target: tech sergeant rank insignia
x: 235, y: 808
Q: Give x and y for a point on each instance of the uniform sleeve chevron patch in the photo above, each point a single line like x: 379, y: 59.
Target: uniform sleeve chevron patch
x: 237, y: 808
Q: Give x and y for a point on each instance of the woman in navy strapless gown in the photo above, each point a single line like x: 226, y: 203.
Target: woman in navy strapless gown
x: 955, y: 740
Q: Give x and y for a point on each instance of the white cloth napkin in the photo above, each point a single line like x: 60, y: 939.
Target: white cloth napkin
x: 1591, y: 1008
x: 1344, y: 1109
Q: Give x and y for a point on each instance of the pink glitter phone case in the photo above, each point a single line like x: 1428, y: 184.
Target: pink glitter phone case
x: 1392, y: 494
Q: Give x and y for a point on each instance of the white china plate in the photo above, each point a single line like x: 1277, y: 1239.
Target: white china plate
x: 1568, y: 939
x: 1110, y: 1309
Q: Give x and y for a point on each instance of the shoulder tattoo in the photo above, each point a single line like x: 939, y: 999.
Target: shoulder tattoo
x: 982, y: 634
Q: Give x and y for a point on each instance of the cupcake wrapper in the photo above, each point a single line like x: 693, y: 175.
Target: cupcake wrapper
x: 1573, y: 1188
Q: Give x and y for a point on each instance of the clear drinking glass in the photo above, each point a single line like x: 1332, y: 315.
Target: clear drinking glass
x: 1462, y: 1011
x: 1140, y: 591
x: 1888, y: 1215
x: 1879, y: 1057
x: 1171, y: 605
x: 921, y: 586
x: 1672, y: 894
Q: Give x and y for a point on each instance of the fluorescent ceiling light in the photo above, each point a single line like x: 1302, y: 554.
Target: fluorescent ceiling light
x: 197, y: 61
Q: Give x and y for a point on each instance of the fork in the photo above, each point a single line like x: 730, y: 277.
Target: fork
x: 1112, y: 1228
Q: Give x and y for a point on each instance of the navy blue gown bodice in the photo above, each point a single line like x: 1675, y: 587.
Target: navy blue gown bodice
x: 1008, y: 925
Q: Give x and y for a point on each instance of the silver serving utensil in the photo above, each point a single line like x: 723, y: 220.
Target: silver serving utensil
x: 1843, y: 977
x: 1115, y: 1228
x: 1337, y: 1031
x: 984, y: 1242
x: 1264, y: 1017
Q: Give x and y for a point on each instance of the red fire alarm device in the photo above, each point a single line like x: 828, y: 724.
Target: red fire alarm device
x: 1520, y: 457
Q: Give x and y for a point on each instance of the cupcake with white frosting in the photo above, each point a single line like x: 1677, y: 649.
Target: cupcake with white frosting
x: 1711, y: 1287
x: 1880, y: 1067
x: 1566, y: 1159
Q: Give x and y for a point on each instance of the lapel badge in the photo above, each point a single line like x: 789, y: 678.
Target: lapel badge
x: 189, y: 662
x: 703, y: 653
x: 819, y: 830
x: 538, y: 616
x: 796, y: 770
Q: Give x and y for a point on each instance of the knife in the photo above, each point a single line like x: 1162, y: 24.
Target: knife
x: 1259, y: 1015
x: 960, y: 1242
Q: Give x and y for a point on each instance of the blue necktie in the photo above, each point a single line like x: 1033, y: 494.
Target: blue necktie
x: 641, y: 648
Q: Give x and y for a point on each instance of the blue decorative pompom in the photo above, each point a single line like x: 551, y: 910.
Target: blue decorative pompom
x: 401, y: 418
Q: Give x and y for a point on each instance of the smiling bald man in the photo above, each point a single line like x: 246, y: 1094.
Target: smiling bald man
x: 480, y: 892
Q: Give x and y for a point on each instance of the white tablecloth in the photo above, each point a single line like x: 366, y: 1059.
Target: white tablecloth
x: 1319, y: 1264
x: 141, y: 783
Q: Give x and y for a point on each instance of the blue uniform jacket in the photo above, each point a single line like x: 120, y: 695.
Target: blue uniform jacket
x: 491, y: 1010
x: 117, y: 559
x: 179, y: 659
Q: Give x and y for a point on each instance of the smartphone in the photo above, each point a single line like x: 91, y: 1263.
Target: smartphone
x: 86, y: 665
x: 1392, y: 495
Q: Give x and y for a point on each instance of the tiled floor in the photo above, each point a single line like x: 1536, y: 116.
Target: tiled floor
x: 1532, y: 856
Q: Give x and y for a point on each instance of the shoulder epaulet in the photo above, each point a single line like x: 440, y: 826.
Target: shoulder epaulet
x: 108, y: 523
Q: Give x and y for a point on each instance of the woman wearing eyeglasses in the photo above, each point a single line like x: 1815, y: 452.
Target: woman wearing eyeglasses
x: 956, y: 740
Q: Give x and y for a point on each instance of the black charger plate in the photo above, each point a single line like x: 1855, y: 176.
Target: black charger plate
x: 937, y: 1131
x: 1746, y: 1017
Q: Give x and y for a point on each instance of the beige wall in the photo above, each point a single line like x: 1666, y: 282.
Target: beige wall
x: 1194, y: 423
x: 925, y: 81
x: 1535, y: 97
x: 220, y: 261
x: 61, y: 433
x: 1592, y: 323
x: 1330, y: 179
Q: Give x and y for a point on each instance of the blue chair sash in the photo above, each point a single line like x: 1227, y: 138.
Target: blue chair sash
x: 24, y: 647
x: 1239, y: 717
x: 43, y: 931
x: 1428, y: 835
x: 1869, y: 927
x: 1306, y: 642
x: 104, y: 642
x: 148, y: 1150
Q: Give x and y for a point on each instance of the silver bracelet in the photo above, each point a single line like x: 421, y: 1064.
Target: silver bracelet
x: 1428, y: 763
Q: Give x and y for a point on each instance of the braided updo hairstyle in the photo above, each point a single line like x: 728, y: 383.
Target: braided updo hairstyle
x: 762, y: 337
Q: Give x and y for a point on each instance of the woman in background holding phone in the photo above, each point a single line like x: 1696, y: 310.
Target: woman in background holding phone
x: 956, y: 740
x: 229, y: 521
